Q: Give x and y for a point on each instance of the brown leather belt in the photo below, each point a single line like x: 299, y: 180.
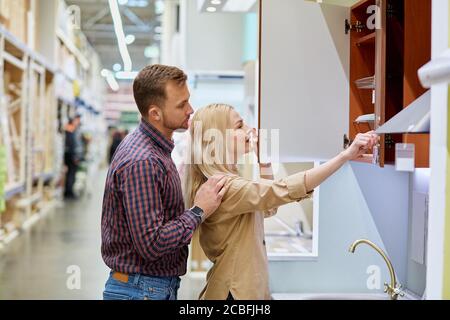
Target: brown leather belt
x: 119, y: 276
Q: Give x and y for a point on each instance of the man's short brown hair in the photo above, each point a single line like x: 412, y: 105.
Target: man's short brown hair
x: 149, y: 87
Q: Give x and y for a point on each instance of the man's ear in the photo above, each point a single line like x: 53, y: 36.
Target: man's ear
x: 154, y: 113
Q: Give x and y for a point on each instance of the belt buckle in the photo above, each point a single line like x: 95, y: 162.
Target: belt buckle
x: 119, y: 276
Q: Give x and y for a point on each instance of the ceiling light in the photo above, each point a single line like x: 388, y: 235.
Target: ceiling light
x: 129, y: 39
x: 117, y: 67
x: 118, y: 28
x: 238, y: 5
x: 151, y: 52
x: 126, y: 75
x: 211, y: 9
x: 104, y: 72
x: 138, y: 3
x: 216, y: 2
x: 159, y: 7
x: 123, y: 2
x: 112, y: 82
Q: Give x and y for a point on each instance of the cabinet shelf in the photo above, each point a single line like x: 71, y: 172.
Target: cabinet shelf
x: 365, y: 122
x: 366, y: 118
x: 366, y: 40
x: 365, y: 83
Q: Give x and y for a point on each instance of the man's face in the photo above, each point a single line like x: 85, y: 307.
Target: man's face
x: 177, y: 109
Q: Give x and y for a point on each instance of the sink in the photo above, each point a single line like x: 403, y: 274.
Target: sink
x: 336, y: 296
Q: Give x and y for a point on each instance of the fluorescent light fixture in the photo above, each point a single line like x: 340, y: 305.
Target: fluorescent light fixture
x: 158, y: 29
x: 117, y: 67
x: 216, y: 2
x: 112, y: 82
x: 118, y: 28
x: 138, y: 3
x: 129, y: 39
x: 151, y: 52
x: 211, y: 9
x: 238, y: 5
x: 126, y: 75
x: 159, y: 7
x: 123, y: 2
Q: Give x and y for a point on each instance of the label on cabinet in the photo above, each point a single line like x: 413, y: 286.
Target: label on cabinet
x: 404, y: 157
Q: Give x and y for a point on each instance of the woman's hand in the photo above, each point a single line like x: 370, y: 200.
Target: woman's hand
x: 362, y: 143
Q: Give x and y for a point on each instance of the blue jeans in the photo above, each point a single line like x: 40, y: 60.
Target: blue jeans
x: 140, y: 287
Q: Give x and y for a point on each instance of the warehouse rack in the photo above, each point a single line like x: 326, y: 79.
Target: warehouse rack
x: 36, y: 99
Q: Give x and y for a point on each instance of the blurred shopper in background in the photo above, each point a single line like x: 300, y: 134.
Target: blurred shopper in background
x: 117, y: 138
x: 72, y: 154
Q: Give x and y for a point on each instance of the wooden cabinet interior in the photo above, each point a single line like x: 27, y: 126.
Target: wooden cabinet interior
x: 417, y: 53
x: 392, y: 54
x: 362, y: 65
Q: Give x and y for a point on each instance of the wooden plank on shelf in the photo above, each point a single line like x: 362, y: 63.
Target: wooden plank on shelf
x: 73, y: 49
x: 17, y: 23
x: 6, y: 139
x: 14, y: 61
x: 366, y: 40
x: 18, y: 48
x: 37, y: 67
x: 13, y: 189
x: 43, y: 62
x: 12, y: 45
x: 5, y: 11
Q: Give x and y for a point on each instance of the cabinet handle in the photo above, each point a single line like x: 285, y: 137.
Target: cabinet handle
x: 346, y: 141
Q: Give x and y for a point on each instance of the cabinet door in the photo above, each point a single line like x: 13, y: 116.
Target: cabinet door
x: 380, y: 79
x: 389, y: 72
x: 304, y: 77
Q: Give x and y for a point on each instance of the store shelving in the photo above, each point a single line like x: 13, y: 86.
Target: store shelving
x: 34, y: 86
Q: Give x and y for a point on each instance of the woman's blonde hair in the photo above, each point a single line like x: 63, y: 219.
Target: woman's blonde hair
x: 212, y: 118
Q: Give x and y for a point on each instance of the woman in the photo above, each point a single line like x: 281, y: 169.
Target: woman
x: 233, y: 236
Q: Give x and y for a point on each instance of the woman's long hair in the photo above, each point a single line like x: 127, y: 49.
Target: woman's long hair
x: 207, y: 121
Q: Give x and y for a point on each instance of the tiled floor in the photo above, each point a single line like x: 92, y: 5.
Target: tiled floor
x: 35, y: 264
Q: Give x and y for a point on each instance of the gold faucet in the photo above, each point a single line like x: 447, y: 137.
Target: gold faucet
x: 392, y: 289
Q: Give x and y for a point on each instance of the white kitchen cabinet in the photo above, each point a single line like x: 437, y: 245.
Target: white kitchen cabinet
x: 304, y: 70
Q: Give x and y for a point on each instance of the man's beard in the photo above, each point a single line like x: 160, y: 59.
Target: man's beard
x: 176, y: 128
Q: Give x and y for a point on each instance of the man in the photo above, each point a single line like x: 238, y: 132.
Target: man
x: 71, y: 155
x: 145, y: 227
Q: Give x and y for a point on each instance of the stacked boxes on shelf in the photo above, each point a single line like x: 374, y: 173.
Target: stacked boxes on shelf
x: 31, y: 120
x: 18, y: 17
x: 2, y: 177
x: 12, y: 116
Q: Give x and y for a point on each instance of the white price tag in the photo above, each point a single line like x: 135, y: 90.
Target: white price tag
x: 404, y: 157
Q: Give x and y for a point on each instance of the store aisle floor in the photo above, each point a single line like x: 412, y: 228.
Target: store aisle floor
x: 35, y: 265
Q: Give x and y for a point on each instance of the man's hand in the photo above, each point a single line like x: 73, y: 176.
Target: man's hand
x: 362, y: 143
x: 209, y: 196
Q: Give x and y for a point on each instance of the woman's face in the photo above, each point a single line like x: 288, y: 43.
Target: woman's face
x: 241, y: 135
